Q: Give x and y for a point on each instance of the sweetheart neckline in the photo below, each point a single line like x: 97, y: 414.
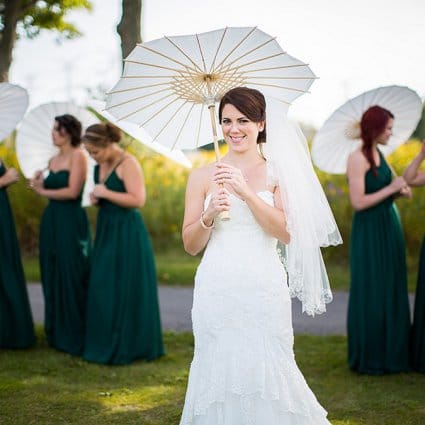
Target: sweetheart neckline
x: 58, y: 171
x: 237, y: 197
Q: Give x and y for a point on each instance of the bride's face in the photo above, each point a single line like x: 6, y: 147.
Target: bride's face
x: 239, y: 132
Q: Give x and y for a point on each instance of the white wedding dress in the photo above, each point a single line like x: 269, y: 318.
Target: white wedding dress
x: 243, y: 370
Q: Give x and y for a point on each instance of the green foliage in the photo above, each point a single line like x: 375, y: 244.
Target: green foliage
x: 50, y: 15
x: 164, y: 209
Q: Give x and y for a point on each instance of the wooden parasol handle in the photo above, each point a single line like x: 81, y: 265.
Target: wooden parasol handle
x: 224, y: 215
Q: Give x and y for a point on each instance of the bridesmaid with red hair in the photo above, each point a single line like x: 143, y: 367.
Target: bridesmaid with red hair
x: 378, y: 319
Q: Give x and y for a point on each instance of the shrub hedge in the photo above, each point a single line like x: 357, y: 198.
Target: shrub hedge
x: 166, y: 180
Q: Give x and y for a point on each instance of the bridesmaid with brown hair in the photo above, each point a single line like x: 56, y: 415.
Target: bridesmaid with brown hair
x: 65, y: 240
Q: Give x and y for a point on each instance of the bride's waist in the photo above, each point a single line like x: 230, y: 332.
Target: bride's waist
x: 247, y: 248
x: 241, y: 236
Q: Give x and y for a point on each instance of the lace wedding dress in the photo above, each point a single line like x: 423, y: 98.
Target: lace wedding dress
x: 243, y: 370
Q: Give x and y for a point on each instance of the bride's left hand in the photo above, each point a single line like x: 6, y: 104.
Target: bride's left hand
x: 227, y: 174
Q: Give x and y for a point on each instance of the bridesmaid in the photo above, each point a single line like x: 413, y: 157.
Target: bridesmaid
x: 414, y: 177
x: 123, y: 322
x: 64, y: 238
x: 378, y: 310
x: 16, y: 325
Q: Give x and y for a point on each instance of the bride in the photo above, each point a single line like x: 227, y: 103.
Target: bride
x: 243, y: 370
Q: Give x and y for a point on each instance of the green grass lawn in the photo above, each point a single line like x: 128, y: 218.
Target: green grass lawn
x: 43, y: 386
x: 175, y: 267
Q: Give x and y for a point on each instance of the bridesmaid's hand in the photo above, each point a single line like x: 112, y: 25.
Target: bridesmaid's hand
x: 93, y: 199
x: 100, y: 191
x: 398, y: 184
x: 38, y: 175
x: 10, y: 176
x: 37, y: 183
x: 406, y: 192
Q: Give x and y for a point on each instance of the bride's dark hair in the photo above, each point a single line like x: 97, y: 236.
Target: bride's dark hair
x: 249, y: 102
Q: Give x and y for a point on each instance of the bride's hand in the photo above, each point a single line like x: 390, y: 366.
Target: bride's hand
x: 226, y: 174
x: 219, y: 202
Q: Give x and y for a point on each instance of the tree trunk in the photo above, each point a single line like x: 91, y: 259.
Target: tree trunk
x: 8, y: 37
x: 129, y: 26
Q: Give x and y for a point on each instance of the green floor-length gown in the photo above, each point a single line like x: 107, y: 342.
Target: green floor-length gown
x: 123, y: 322
x: 16, y: 325
x: 64, y: 260
x: 418, y: 328
x: 378, y: 310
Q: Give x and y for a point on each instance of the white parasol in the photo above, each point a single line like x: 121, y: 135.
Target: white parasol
x: 13, y: 104
x: 34, y: 146
x: 340, y: 134
x: 143, y: 137
x: 170, y: 86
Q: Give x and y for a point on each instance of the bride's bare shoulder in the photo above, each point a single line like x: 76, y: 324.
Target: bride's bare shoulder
x: 202, y: 174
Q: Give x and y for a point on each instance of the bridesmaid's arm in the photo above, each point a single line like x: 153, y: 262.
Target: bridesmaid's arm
x: 413, y: 176
x: 130, y: 172
x: 77, y: 177
x: 9, y: 177
x: 357, y: 166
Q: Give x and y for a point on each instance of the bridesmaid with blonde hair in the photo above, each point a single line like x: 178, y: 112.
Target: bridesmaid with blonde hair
x: 123, y: 322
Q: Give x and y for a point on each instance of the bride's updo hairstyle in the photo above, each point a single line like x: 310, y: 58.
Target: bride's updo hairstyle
x: 101, y: 135
x: 249, y: 102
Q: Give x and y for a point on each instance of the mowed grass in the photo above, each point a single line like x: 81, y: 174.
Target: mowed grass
x: 43, y: 386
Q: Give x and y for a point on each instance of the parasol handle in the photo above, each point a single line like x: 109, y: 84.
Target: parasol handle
x: 224, y: 215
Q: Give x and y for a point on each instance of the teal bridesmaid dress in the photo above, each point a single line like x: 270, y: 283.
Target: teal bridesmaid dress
x: 378, y: 320
x: 65, y: 245
x: 16, y: 324
x: 123, y: 321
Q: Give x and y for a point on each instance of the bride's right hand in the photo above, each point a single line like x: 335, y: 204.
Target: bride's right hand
x: 220, y: 201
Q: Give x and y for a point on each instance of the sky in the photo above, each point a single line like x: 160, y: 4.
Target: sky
x: 352, y: 46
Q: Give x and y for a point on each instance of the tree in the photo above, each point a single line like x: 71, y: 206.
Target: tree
x: 129, y: 28
x: 26, y: 18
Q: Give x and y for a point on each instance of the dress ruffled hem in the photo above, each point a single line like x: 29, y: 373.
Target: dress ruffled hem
x: 237, y: 409
x: 234, y: 381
